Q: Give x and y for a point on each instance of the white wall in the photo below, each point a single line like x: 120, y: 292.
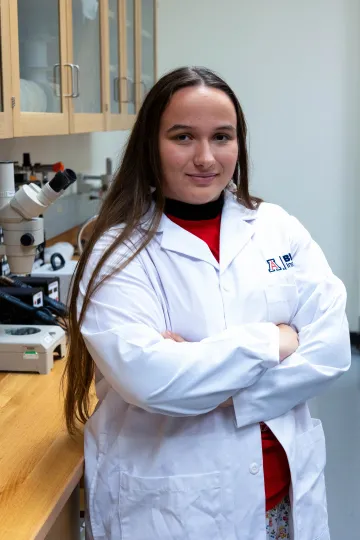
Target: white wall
x: 294, y: 68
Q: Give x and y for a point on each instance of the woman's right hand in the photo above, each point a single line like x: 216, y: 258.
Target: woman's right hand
x: 288, y: 342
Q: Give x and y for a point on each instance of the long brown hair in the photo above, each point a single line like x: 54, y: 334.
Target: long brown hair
x: 128, y: 199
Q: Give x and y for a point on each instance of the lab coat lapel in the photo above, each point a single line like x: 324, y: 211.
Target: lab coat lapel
x: 237, y: 228
x: 175, y: 238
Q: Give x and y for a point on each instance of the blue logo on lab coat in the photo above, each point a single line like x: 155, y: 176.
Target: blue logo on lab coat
x: 284, y: 262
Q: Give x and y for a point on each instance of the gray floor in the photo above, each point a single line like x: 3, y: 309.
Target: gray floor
x: 339, y: 410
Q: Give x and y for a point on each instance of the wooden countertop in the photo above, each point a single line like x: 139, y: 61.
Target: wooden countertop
x: 39, y: 464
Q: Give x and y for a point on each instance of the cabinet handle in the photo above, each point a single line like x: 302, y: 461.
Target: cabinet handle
x: 76, y: 68
x: 72, y: 80
x: 128, y: 83
x: 74, y: 89
x: 56, y: 71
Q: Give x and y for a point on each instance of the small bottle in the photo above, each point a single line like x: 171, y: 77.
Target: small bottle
x: 4, y: 266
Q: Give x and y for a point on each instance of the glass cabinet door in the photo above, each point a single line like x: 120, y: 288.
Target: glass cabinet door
x: 130, y: 49
x: 86, y: 54
x: 147, y: 46
x: 121, y: 77
x: 39, y: 56
x: 114, y: 48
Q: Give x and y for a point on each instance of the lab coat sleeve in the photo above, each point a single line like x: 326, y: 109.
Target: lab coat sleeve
x: 122, y: 331
x: 324, y: 342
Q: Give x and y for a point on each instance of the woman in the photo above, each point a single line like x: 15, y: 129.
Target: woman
x: 209, y: 319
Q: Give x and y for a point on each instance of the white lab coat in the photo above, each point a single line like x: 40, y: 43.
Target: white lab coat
x: 163, y: 462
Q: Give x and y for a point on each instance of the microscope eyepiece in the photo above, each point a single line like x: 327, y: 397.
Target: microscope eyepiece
x: 62, y: 180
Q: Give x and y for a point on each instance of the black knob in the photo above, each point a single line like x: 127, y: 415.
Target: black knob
x: 27, y: 239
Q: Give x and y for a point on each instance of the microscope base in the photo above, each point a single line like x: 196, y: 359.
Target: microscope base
x: 30, y: 348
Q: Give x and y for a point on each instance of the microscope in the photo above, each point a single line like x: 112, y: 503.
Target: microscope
x: 28, y: 348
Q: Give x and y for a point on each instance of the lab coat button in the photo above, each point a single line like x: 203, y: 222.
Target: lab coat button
x: 254, y: 468
x: 225, y: 288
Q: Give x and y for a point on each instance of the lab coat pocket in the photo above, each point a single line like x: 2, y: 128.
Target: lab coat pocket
x: 309, y: 483
x: 103, y: 495
x: 172, y: 508
x: 282, y: 301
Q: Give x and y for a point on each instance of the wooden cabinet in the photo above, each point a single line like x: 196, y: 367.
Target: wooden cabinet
x: 6, y: 126
x: 76, y: 65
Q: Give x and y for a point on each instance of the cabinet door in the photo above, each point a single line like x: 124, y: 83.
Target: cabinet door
x: 86, y: 46
x: 114, y: 56
x: 120, y: 89
x: 6, y: 129
x: 148, y: 44
x: 145, y: 48
x: 38, y: 56
x: 131, y: 59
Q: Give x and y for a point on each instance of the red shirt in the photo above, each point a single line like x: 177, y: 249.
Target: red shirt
x: 276, y: 467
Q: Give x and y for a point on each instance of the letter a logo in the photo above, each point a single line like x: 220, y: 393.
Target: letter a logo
x: 273, y: 267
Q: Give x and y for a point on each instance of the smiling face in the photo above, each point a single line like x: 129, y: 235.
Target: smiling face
x: 198, y: 144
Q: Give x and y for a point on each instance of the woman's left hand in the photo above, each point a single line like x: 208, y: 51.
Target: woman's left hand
x: 173, y: 336
x: 179, y: 339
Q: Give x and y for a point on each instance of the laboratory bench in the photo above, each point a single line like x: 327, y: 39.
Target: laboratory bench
x: 40, y: 465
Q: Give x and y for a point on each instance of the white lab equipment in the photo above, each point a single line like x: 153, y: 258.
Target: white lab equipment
x: 30, y: 348
x: 19, y: 214
x: 27, y: 347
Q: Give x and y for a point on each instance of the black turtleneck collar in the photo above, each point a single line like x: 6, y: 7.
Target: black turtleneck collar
x: 194, y: 212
